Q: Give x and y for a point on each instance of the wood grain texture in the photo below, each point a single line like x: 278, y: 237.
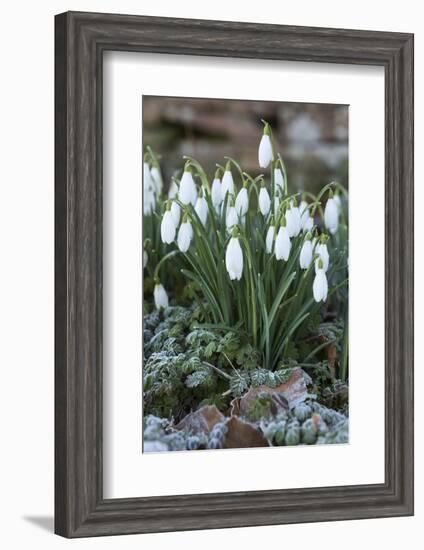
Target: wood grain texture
x: 81, y: 39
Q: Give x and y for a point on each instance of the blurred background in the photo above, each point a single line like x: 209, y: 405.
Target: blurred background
x: 312, y: 138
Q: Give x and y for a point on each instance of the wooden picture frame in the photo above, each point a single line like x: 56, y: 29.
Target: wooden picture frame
x: 80, y: 40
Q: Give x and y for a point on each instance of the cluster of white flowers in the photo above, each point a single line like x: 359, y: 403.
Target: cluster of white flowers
x: 285, y: 219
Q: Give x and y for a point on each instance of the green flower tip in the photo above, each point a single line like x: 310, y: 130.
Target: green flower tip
x: 146, y: 158
x: 283, y: 222
x: 187, y: 167
x: 308, y: 236
x: 235, y: 232
x: 228, y: 166
x: 168, y: 205
x: 320, y: 264
x: 218, y: 173
x: 267, y: 127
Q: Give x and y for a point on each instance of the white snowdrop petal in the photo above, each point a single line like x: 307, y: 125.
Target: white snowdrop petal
x: 216, y: 192
x: 157, y: 179
x: 242, y: 202
x: 227, y: 185
x: 167, y: 228
x: 305, y: 258
x: 173, y: 190
x: 201, y: 209
x: 282, y: 244
x: 264, y: 201
x: 234, y: 259
x: 187, y: 192
x: 176, y: 213
x: 279, y: 178
x: 320, y: 286
x: 160, y: 296
x: 331, y: 215
x: 185, y: 235
x: 270, y: 238
x: 232, y: 217
x: 265, y: 155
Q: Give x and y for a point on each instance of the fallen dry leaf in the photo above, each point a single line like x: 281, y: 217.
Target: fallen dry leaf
x: 242, y: 434
x: 202, y: 420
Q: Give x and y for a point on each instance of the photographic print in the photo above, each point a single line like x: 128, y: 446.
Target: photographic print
x: 245, y: 274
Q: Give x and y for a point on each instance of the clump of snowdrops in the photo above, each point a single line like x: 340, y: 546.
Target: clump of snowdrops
x: 263, y: 261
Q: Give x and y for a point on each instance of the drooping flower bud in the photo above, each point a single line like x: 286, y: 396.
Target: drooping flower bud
x: 187, y: 192
x: 282, y: 243
x: 331, y: 215
x: 185, y: 236
x: 160, y: 296
x: 293, y: 220
x: 216, y: 192
x: 157, y: 179
x: 176, y: 213
x: 173, y: 190
x: 279, y: 179
x: 306, y: 253
x: 265, y: 153
x: 264, y: 201
x: 242, y: 202
x: 320, y: 285
x: 231, y: 217
x: 270, y: 237
x: 306, y: 220
x: 167, y: 226
x: 201, y: 208
x: 234, y: 259
x: 227, y: 185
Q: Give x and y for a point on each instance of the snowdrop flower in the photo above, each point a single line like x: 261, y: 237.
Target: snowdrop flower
x: 322, y: 251
x: 201, y: 208
x: 320, y: 285
x: 216, y: 192
x: 331, y: 215
x: 264, y: 201
x: 149, y: 202
x: 234, y: 259
x: 167, y: 227
x: 270, y: 237
x: 176, y: 213
x: 232, y: 217
x: 149, y: 197
x: 173, y: 190
x: 227, y: 185
x: 145, y: 258
x: 306, y: 255
x: 187, y: 192
x: 157, y: 179
x: 293, y: 221
x: 282, y: 243
x: 160, y: 296
x: 265, y: 153
x: 279, y: 179
x: 306, y: 220
x: 242, y: 202
x: 185, y: 236
x: 147, y: 177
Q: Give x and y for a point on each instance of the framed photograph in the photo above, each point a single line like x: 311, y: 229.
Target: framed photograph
x: 234, y: 274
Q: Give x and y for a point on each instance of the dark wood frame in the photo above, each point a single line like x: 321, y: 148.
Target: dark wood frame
x: 80, y: 40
